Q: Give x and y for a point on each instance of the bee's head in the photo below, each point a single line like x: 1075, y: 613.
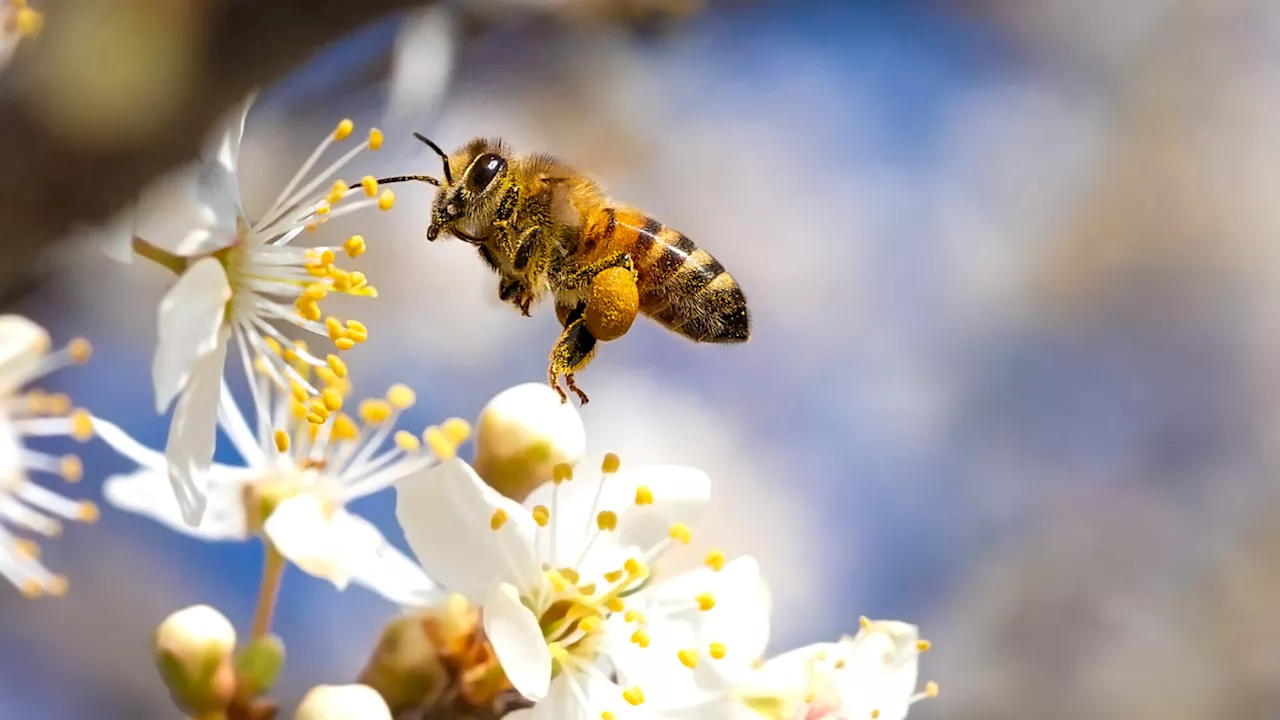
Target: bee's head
x: 469, y: 195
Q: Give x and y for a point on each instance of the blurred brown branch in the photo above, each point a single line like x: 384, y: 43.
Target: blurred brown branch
x: 51, y: 181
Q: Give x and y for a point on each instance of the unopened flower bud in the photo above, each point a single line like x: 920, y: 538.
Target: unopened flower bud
x: 342, y: 702
x: 406, y: 667
x: 522, y: 434
x: 193, y: 654
x: 258, y: 665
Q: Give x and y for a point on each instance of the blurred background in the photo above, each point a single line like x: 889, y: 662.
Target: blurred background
x: 1012, y: 268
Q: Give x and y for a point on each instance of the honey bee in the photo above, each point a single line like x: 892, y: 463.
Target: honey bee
x: 543, y: 227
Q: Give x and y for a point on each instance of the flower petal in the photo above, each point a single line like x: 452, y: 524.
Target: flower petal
x: 147, y: 492
x: 422, y: 63
x: 379, y: 566
x: 881, y: 668
x: 445, y: 511
x: 223, y: 144
x: 190, y: 327
x: 192, y: 211
x: 300, y: 529
x: 193, y: 432
x: 115, y: 236
x: 517, y: 641
x: 23, y: 347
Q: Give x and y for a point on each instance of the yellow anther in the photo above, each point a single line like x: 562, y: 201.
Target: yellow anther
x: 498, y: 520
x: 440, y: 445
x: 615, y: 604
x: 680, y: 533
x: 344, y: 428
x: 330, y: 379
x: 71, y: 468
x: 875, y: 713
x: 344, y: 343
x: 715, y: 559
x: 386, y: 200
x: 344, y: 129
x: 316, y: 419
x: 606, y: 715
x: 375, y: 138
x: 28, y: 22
x: 308, y: 310
x: 558, y: 583
x: 557, y: 651
x: 357, y: 331
x: 590, y: 624
x: 705, y: 601
x: 87, y: 512
x: 57, y: 585
x: 541, y: 515
x: 589, y: 589
x: 561, y: 473
x: 923, y: 645
x: 613, y: 576
x: 370, y: 185
x: 401, y: 396
x: 341, y: 279
x: 26, y: 549
x: 864, y: 622
x: 607, y: 520
x: 640, y: 637
x: 81, y: 425
x: 688, y: 658
x: 315, y: 292
x: 375, y: 411
x: 298, y: 410
x: 354, y: 246
x: 635, y: 567
x: 273, y: 346
x: 79, y: 350
x: 610, y: 464
x: 633, y: 695
x: 336, y: 364
x: 716, y: 650
x: 57, y: 404
x: 30, y: 589
x: 336, y: 192
x: 282, y: 441
x: 810, y: 696
x: 357, y: 279
x: 931, y: 689
x: 644, y: 496
x: 571, y: 575
x: 327, y: 257
x: 332, y: 399
x: 456, y: 430
x: 634, y: 616
x: 407, y: 441
x: 323, y: 208
x: 299, y: 393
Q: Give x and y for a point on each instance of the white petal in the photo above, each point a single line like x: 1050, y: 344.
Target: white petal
x: 378, y: 565
x: 517, y: 641
x: 790, y: 674
x: 149, y: 493
x: 445, y: 511
x: 422, y: 62
x: 190, y: 326
x: 520, y: 714
x: 193, y: 433
x: 115, y: 236
x: 679, y: 495
x: 23, y: 347
x: 881, y: 667
x: 191, y: 211
x: 223, y: 145
x: 299, y: 528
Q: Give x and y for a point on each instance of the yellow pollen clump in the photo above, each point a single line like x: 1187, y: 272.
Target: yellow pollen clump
x: 456, y: 430
x: 357, y: 331
x: 561, y: 473
x: 336, y: 192
x: 79, y: 350
x: 354, y: 246
x: 344, y: 343
x: 644, y: 496
x: 589, y: 589
x: 590, y: 624
x: 336, y: 364
x: 864, y: 622
x: 640, y: 637
x: 299, y: 393
x: 332, y: 398
x: 541, y: 515
x: 716, y: 650
x: 613, y: 299
x: 386, y: 200
x: 615, y: 604
x: 705, y: 601
x: 370, y: 185
x: 923, y: 645
x: 611, y: 464
x: 81, y: 425
x: 375, y: 138
x: 498, y: 520
x: 875, y: 713
x: 606, y: 715
x: 688, y: 658
x: 401, y: 396
x: 440, y: 445
x: 931, y: 689
x: 282, y: 441
x: 715, y: 560
x: 634, y: 616
x: 680, y: 533
x: 407, y: 441
x: 607, y: 520
x: 635, y: 567
x: 344, y: 129
x: 570, y: 574
x: 373, y: 412
x: 613, y: 576
x: 87, y: 512
x: 633, y: 695
x: 323, y: 208
x: 70, y: 468
x: 344, y: 428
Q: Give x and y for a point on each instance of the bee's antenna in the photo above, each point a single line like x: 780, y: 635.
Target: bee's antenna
x: 444, y: 157
x: 407, y: 178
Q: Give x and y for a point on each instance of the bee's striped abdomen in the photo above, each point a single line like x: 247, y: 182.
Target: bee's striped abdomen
x: 681, y: 286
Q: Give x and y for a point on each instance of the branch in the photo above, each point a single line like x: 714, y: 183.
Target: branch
x: 49, y: 184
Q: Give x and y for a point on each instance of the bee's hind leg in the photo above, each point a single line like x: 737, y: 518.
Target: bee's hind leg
x: 572, y: 353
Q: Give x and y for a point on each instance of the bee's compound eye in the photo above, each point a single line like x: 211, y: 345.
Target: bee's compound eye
x: 484, y: 170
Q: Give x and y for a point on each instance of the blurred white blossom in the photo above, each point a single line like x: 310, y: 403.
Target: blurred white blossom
x: 17, y: 21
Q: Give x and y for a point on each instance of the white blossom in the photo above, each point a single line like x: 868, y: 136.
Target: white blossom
x: 17, y: 21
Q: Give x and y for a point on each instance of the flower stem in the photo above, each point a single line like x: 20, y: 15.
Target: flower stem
x: 272, y: 572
